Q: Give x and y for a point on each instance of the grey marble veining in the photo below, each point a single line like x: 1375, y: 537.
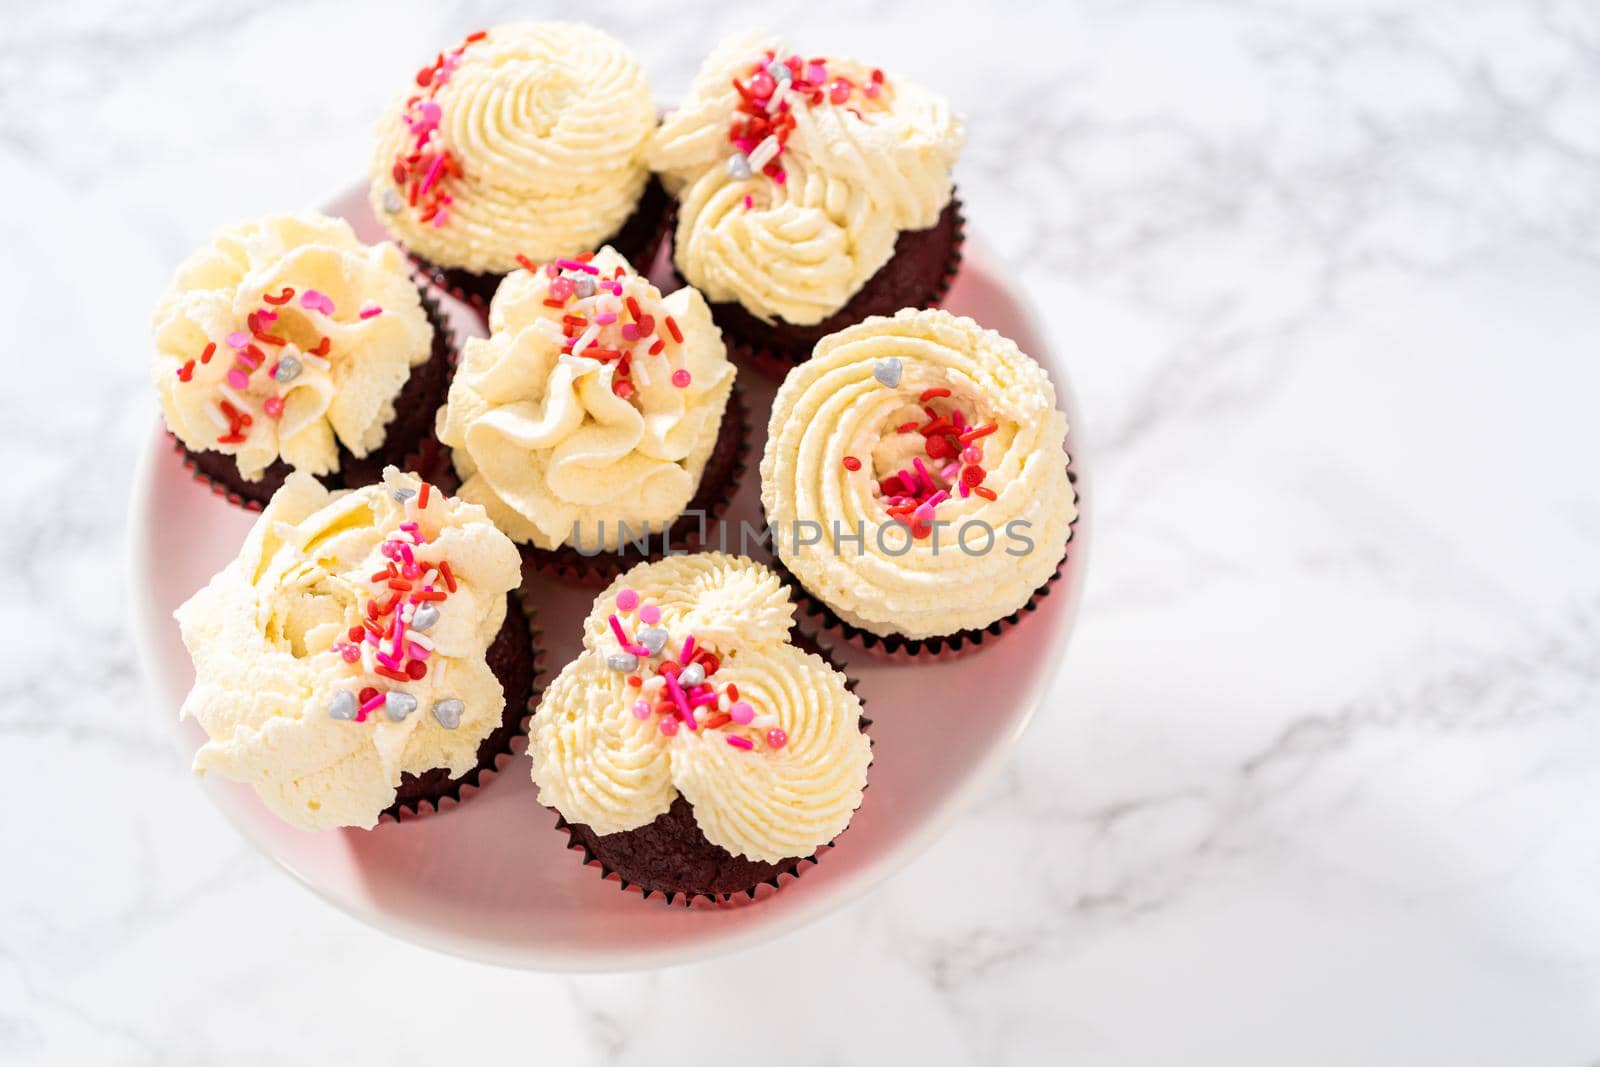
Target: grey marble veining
x: 1317, y: 782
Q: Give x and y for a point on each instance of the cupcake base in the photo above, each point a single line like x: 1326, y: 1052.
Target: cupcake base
x: 671, y: 856
x: 718, y: 482
x: 513, y: 656
x: 641, y: 234
x: 412, y: 425
x: 918, y: 275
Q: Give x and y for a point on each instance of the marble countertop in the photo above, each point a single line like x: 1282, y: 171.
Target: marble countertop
x: 1317, y: 782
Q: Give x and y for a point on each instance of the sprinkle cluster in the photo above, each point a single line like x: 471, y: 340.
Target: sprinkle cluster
x: 421, y: 171
x: 603, y: 323
x: 949, y: 444
x: 675, y: 681
x: 234, y: 412
x: 771, y: 90
x: 401, y: 604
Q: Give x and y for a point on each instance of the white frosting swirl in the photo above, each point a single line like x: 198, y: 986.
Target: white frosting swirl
x: 832, y: 407
x: 264, y: 634
x: 348, y: 396
x: 598, y: 764
x: 857, y: 174
x: 549, y: 124
x: 542, y: 440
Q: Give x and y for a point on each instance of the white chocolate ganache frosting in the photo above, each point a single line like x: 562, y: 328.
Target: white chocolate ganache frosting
x: 924, y: 456
x: 346, y: 646
x: 526, y: 138
x: 688, y: 683
x: 284, y: 338
x: 795, y: 176
x: 594, y: 403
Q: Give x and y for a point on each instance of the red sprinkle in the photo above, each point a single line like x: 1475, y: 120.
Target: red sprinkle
x: 526, y: 264
x: 929, y: 394
x: 672, y: 328
x: 422, y: 502
x: 444, y: 564
x: 984, y: 491
x: 851, y: 463
x: 186, y: 371
x: 323, y: 347
x: 281, y: 299
x: 211, y: 350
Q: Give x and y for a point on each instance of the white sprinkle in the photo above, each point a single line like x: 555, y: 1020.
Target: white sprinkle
x: 764, y: 153
x: 217, y: 416
x: 417, y: 638
x: 585, y: 340
x: 315, y: 362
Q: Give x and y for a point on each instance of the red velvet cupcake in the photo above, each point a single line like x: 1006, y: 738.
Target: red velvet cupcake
x: 523, y: 140
x: 289, y: 345
x: 694, y: 749
x: 811, y: 194
x: 362, y: 656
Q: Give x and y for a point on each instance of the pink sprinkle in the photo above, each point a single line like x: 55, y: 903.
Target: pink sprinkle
x: 776, y: 738
x: 627, y: 600
x: 237, y: 379
x: 637, y: 650
x: 641, y: 709
x: 572, y: 264
x: 688, y: 650
x: 551, y: 269
x: 238, y: 339
x: 924, y: 512
x: 780, y: 176
x: 616, y: 628
x: 649, y: 614
x: 742, y: 712
x: 678, y: 698
x: 701, y: 699
x: 247, y: 361
x: 372, y: 705
x: 965, y: 492
x: 438, y: 220
x: 433, y: 173
x: 371, y: 311
x: 606, y: 318
x: 416, y: 651
x: 561, y: 288
x: 972, y: 454
x: 350, y: 653
x: 392, y: 662
x: 749, y: 202
x: 681, y: 378
x: 316, y: 301
x: 630, y: 331
x: 669, y: 726
x: 938, y: 498
x: 922, y: 472
x: 273, y: 406
x: 739, y: 742
x: 816, y: 73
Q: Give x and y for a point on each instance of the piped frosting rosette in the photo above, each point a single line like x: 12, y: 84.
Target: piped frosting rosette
x: 688, y: 683
x: 791, y: 215
x: 915, y: 475
x: 284, y: 338
x: 593, y: 405
x: 345, y: 647
x: 526, y: 138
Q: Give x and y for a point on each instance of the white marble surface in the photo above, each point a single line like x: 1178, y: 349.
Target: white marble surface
x: 1319, y: 780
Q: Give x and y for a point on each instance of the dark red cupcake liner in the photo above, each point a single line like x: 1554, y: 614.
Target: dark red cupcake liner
x: 759, y: 345
x: 897, y: 648
x: 694, y: 528
x: 517, y: 661
x: 770, y: 878
x: 416, y: 406
x: 638, y: 240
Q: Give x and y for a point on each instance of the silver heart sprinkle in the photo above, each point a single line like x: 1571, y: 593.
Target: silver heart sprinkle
x: 583, y: 287
x: 425, y: 616
x: 691, y: 676
x: 288, y: 369
x: 399, y: 704
x: 654, y: 638
x: 739, y: 167
x: 448, y: 712
x: 622, y: 661
x: 888, y: 371
x: 391, y: 201
x: 343, y: 705
x: 403, y: 494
